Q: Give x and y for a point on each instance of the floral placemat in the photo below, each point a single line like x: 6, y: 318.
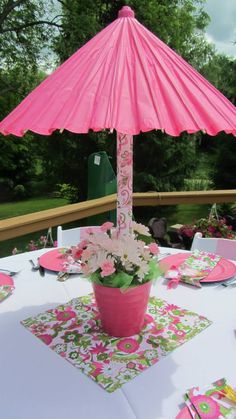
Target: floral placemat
x: 73, y: 331
x: 5, y: 291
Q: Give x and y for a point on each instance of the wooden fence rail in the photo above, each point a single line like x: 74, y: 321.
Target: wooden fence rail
x: 24, y: 224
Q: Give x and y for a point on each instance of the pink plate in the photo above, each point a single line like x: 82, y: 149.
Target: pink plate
x: 6, y: 279
x: 184, y: 414
x: 52, y: 260
x: 224, y: 269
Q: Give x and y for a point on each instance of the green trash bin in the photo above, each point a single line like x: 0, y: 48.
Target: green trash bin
x: 101, y: 182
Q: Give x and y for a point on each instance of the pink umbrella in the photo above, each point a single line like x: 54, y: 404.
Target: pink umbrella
x: 126, y: 79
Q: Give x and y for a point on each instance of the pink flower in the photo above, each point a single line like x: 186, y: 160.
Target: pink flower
x: 107, y: 268
x: 131, y: 365
x: 106, y: 226
x: 155, y: 331
x: 86, y: 254
x: 43, y: 239
x: 65, y: 315
x: 98, y: 348
x: 154, y: 249
x: 128, y: 345
x: 55, y: 243
x: 98, y: 369
x: 76, y: 253
x: 32, y: 245
x: 85, y: 269
x: 211, y: 229
x: 148, y: 319
x: 38, y: 328
x: 206, y: 406
x: 45, y: 338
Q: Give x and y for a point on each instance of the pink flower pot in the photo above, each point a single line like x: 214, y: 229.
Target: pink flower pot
x: 122, y: 312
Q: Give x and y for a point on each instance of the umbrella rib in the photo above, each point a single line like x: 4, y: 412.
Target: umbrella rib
x: 167, y: 77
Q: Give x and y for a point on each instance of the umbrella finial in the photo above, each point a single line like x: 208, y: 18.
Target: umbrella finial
x: 126, y: 11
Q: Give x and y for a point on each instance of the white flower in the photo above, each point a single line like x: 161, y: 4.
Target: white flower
x: 143, y: 270
x: 151, y: 354
x: 126, y: 254
x: 111, y: 369
x: 140, y: 229
x: 126, y: 375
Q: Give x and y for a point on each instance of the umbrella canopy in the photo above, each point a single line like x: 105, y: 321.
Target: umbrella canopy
x: 125, y: 79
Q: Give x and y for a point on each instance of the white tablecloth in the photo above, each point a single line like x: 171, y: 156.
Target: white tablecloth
x: 36, y: 383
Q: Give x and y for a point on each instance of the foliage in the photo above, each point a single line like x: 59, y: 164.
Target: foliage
x: 209, y: 227
x: 40, y: 243
x: 225, y: 162
x: 161, y: 163
x: 65, y: 157
x: 25, y: 26
x: 221, y: 71
x: 179, y: 23
x: 16, y: 166
x: 68, y: 192
x: 196, y: 184
x: 114, y: 261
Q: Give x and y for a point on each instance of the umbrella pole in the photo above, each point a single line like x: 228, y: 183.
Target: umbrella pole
x: 124, y: 183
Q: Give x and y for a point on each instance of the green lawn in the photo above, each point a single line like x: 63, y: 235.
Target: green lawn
x: 188, y: 214
x: 13, y: 209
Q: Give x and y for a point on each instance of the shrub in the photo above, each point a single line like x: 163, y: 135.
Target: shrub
x: 67, y: 191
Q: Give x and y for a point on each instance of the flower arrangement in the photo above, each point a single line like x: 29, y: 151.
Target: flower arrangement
x: 209, y: 227
x: 113, y: 261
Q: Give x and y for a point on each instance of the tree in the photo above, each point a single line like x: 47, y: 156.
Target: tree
x: 179, y: 23
x: 26, y: 28
x: 225, y: 162
x: 221, y: 71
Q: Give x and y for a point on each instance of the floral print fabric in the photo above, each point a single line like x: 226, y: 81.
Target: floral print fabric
x: 215, y: 401
x: 196, y: 267
x: 73, y: 331
x: 5, y: 291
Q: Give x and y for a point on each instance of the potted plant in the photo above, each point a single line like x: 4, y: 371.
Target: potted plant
x: 121, y: 269
x: 209, y: 227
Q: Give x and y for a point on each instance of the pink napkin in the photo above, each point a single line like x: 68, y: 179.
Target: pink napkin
x: 196, y: 267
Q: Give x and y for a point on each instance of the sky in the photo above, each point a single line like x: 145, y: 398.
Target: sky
x: 222, y: 29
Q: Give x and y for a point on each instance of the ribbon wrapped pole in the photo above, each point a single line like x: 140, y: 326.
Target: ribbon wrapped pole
x: 124, y: 183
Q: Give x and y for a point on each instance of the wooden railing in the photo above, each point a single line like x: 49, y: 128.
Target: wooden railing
x: 24, y: 224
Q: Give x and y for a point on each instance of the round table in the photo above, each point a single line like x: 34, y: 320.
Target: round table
x: 37, y: 384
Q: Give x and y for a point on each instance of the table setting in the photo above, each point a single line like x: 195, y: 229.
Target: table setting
x: 187, y: 342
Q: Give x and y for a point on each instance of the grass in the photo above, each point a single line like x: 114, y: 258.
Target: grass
x: 188, y: 214
x: 14, y: 209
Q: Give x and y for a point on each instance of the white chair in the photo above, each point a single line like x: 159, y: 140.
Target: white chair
x: 72, y: 236
x: 223, y: 247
